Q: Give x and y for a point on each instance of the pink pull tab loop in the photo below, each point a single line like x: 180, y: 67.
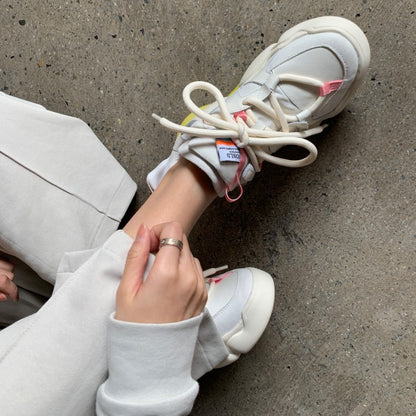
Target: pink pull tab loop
x: 243, y: 157
x: 329, y: 87
x: 236, y: 180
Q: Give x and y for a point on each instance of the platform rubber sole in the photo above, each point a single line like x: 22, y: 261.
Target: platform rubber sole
x: 254, y: 318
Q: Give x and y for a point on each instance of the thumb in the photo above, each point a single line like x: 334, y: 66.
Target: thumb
x: 136, y: 262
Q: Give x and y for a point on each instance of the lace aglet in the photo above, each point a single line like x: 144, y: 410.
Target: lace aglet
x: 156, y: 117
x: 213, y: 270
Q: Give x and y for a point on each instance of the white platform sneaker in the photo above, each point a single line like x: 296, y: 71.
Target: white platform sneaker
x: 308, y: 76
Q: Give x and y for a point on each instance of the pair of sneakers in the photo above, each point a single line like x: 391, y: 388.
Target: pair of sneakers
x: 308, y: 76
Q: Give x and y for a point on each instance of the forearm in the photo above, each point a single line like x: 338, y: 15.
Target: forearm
x: 182, y: 196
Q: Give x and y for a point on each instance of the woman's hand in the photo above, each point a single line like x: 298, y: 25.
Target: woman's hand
x: 174, y: 289
x: 7, y: 287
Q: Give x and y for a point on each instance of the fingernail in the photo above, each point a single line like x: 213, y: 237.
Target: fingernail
x: 141, y: 233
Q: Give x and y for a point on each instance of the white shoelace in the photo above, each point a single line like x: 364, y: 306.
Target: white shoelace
x: 250, y: 139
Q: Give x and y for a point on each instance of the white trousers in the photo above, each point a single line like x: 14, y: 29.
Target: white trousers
x: 62, y: 192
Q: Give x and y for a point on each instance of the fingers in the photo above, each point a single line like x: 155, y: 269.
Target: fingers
x: 174, y: 289
x: 168, y: 256
x: 154, y: 239
x: 181, y: 263
x: 7, y: 287
x: 136, y: 262
x: 198, y: 267
x: 8, y: 274
x: 6, y: 265
x: 192, y: 277
x: 187, y: 265
x: 201, y: 294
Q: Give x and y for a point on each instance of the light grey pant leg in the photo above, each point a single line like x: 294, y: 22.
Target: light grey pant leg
x: 60, y: 190
x: 52, y: 362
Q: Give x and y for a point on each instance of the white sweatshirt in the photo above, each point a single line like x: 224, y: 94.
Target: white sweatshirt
x: 149, y: 369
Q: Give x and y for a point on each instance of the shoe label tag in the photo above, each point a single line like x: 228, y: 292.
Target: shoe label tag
x: 227, y: 151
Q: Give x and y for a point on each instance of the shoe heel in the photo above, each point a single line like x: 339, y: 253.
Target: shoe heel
x: 255, y: 315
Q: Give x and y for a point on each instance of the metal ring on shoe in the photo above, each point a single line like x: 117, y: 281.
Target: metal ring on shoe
x: 171, y: 242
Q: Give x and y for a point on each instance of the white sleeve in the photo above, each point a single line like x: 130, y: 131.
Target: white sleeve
x: 149, y: 369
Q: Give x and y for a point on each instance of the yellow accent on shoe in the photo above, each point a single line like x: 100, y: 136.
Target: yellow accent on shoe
x: 234, y: 90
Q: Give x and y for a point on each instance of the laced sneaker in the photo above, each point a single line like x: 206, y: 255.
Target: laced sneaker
x: 240, y: 303
x: 308, y: 76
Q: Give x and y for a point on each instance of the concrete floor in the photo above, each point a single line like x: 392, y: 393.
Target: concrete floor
x: 338, y: 236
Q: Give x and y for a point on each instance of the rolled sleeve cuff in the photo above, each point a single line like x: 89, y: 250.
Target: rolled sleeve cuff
x: 149, y: 368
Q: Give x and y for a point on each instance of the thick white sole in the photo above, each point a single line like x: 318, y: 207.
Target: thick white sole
x: 254, y: 318
x: 335, y: 24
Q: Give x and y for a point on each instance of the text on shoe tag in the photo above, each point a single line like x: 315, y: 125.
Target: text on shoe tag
x: 227, y: 151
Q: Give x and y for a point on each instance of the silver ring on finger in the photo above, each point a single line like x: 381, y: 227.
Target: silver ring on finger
x: 171, y: 242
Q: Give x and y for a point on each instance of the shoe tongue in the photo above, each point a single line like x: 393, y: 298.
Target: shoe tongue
x: 282, y: 95
x: 291, y: 97
x: 261, y: 92
x: 263, y: 121
x: 294, y: 97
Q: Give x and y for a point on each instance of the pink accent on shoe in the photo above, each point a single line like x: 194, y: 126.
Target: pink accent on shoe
x: 240, y: 114
x: 243, y: 157
x: 329, y: 87
x: 219, y: 278
x: 236, y: 180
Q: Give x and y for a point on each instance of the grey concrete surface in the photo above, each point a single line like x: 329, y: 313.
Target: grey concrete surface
x: 338, y: 236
